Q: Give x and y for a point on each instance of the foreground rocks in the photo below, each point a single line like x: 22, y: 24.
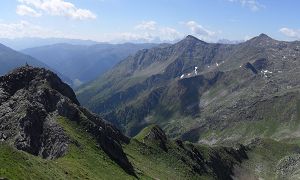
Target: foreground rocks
x: 31, y: 101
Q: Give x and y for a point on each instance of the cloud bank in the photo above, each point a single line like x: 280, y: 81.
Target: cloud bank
x: 253, y: 5
x: 291, y: 33
x: 36, y: 8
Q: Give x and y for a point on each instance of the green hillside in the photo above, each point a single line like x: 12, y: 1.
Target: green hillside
x: 239, y: 92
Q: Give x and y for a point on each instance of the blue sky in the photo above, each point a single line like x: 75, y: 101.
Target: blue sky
x: 150, y: 20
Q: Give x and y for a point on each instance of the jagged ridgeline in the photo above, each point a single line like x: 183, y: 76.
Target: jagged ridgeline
x: 45, y: 134
x: 204, y: 92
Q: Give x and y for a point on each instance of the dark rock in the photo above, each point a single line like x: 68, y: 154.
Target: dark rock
x: 251, y: 67
x: 260, y: 64
x: 158, y: 135
x: 31, y: 101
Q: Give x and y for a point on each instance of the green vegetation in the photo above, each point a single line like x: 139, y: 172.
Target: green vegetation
x: 158, y: 164
x: 265, y: 156
x: 84, y: 160
x: 144, y: 132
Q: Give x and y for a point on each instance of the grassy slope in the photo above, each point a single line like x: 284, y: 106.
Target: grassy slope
x: 86, y: 161
x: 264, y: 158
x: 81, y: 162
x: 175, y: 163
x: 158, y: 164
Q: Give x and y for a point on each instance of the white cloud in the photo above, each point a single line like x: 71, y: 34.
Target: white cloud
x: 26, y: 29
x: 254, y: 5
x: 128, y: 37
x: 292, y: 33
x: 199, y: 31
x: 146, y: 25
x: 24, y: 10
x: 146, y: 31
x: 151, y: 31
x: 247, y: 37
x: 169, y: 34
x: 58, y: 8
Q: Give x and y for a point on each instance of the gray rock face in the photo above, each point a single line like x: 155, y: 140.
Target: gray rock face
x: 32, y: 99
x: 29, y: 98
x: 192, y: 88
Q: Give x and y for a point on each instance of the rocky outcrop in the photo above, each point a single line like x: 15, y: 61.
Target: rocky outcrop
x: 220, y: 161
x: 251, y: 67
x: 217, y: 162
x: 158, y: 135
x: 31, y: 101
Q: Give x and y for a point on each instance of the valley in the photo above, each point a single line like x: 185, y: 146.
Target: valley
x: 149, y: 90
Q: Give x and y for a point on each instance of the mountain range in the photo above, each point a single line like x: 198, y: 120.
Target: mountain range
x: 46, y: 134
x: 83, y: 63
x: 11, y: 59
x: 31, y: 42
x: 190, y: 110
x: 204, y: 92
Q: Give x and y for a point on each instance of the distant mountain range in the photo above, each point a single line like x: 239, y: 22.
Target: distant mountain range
x: 83, y: 63
x: 226, y: 41
x: 25, y: 43
x: 204, y: 92
x: 11, y: 59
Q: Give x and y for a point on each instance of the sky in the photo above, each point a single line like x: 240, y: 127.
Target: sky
x: 150, y: 20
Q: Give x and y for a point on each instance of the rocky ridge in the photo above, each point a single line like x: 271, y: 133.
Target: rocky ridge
x: 31, y: 101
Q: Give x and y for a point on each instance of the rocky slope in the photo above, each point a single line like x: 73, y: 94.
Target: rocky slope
x: 203, y: 92
x: 32, y: 100
x: 46, y: 134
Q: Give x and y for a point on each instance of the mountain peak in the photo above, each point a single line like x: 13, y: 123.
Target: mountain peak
x: 191, y: 39
x: 262, y: 40
x: 262, y: 37
x: 24, y: 76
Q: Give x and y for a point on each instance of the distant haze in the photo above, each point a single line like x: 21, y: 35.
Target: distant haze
x: 24, y: 43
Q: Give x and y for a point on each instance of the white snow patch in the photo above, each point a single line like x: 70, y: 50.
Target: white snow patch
x: 196, y: 72
x: 266, y: 72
